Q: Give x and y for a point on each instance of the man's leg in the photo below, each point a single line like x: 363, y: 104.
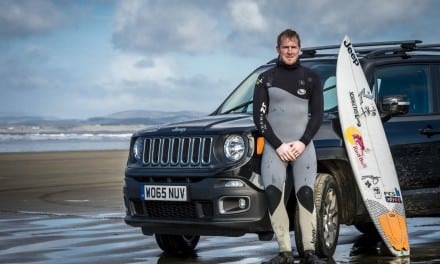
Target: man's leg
x: 273, y: 172
x: 304, y: 171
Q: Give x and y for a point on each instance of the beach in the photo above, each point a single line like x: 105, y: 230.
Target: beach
x: 67, y: 207
x: 80, y: 182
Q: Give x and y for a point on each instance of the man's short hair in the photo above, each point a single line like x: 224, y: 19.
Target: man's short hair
x: 288, y: 33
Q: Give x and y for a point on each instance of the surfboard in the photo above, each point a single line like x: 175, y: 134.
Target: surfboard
x: 368, y: 151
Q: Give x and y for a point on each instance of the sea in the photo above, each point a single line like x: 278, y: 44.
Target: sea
x: 39, y: 142
x: 26, y: 133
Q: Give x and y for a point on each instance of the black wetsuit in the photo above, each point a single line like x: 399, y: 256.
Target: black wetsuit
x: 283, y: 98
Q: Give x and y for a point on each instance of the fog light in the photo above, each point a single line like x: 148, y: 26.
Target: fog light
x: 234, y: 205
x: 242, y: 203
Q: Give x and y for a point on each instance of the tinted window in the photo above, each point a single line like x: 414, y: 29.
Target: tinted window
x: 327, y: 74
x: 410, y: 80
x: 240, y: 101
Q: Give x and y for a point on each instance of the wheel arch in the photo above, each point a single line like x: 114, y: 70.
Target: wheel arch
x: 341, y: 170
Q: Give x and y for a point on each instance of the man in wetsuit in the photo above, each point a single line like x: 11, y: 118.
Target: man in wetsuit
x: 283, y: 98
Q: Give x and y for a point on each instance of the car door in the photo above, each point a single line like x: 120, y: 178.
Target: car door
x: 414, y: 138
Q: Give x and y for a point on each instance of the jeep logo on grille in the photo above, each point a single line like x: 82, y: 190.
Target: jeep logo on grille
x: 178, y: 129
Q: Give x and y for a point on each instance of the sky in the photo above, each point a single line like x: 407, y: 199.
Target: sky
x: 82, y: 59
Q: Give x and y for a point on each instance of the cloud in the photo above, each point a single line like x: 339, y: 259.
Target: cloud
x: 95, y: 57
x: 246, y: 27
x: 136, y: 81
x: 246, y: 16
x: 166, y: 26
x: 322, y: 22
x: 137, y: 68
x: 366, y: 18
x: 21, y: 18
x: 16, y: 77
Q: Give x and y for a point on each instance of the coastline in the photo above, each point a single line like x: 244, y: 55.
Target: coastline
x: 51, y: 152
x: 26, y: 138
x: 63, y: 142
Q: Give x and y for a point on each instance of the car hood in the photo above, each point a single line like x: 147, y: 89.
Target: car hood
x: 328, y: 134
x: 207, y: 125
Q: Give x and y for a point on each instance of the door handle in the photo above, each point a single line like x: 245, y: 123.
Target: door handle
x: 429, y: 131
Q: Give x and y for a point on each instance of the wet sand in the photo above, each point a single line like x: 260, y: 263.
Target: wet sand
x: 66, y: 207
x: 76, y: 182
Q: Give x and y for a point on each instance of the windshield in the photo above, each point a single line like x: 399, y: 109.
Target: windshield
x: 240, y: 101
x: 327, y: 72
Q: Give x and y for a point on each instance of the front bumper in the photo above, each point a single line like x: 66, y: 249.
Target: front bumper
x: 212, y: 208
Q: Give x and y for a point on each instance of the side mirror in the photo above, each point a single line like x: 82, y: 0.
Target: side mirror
x: 395, y: 105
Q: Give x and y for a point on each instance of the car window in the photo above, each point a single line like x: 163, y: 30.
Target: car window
x: 327, y: 74
x: 410, y: 80
x: 240, y: 100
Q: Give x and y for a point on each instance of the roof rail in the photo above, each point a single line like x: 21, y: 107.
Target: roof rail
x: 404, y: 44
x: 427, y: 46
x: 402, y: 51
x: 372, y: 49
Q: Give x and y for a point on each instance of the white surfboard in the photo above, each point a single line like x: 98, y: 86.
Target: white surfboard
x: 369, y: 152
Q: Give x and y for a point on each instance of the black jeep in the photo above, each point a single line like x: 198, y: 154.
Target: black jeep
x: 201, y: 177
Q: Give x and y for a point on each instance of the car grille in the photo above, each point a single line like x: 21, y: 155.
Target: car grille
x: 173, y: 210
x: 177, y: 151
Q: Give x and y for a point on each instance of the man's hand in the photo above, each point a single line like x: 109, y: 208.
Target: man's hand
x: 285, y: 152
x: 297, y: 148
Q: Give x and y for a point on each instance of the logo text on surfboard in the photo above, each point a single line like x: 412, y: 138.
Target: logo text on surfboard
x: 393, y: 197
x: 355, y: 109
x: 353, y: 56
x: 354, y: 137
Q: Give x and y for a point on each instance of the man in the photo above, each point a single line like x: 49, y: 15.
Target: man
x: 283, y: 98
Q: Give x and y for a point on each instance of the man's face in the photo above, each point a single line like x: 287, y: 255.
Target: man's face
x: 289, y: 50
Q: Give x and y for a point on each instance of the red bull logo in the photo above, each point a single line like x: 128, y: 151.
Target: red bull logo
x: 354, y: 137
x: 359, y: 142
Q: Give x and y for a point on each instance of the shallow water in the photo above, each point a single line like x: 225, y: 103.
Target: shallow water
x: 63, y: 142
x: 27, y: 237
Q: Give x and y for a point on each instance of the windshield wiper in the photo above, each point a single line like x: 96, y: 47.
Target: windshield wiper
x: 239, y: 106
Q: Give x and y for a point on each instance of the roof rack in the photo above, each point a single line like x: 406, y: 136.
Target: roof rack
x: 372, y: 49
x: 405, y: 45
x: 428, y: 46
x: 402, y: 51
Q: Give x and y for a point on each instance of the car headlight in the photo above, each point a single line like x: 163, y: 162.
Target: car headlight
x: 234, y: 147
x: 138, y: 148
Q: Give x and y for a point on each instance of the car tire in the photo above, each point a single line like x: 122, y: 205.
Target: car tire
x: 327, y: 230
x: 176, y: 243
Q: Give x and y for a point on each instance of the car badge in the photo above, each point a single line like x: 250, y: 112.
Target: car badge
x: 301, y: 91
x: 178, y: 129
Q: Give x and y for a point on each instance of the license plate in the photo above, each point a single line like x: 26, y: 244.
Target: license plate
x: 165, y: 193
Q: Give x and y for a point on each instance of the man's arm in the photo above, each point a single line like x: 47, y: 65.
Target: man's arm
x: 260, y: 108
